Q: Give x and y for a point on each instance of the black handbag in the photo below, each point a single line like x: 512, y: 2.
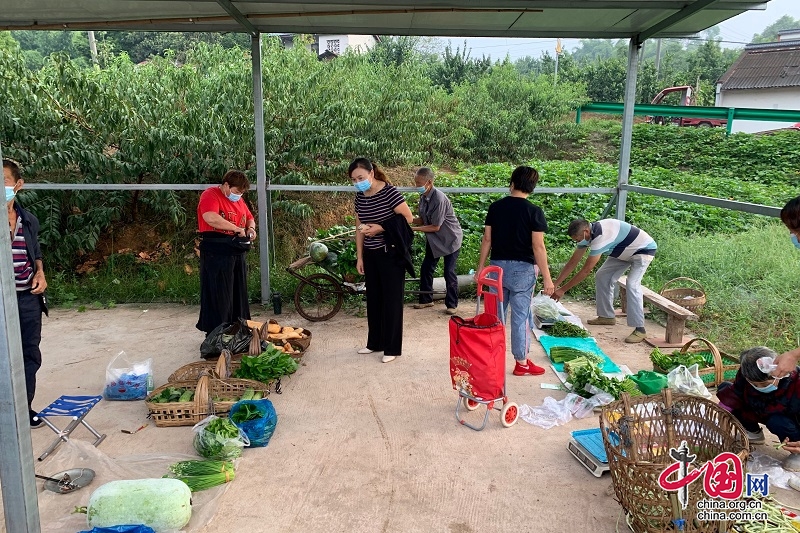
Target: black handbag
x: 234, y: 337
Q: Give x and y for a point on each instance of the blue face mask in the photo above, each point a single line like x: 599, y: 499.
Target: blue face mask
x: 234, y: 197
x: 363, y: 185
x: 584, y: 243
x: 422, y: 190
x: 769, y: 388
x: 10, y: 194
x: 793, y: 237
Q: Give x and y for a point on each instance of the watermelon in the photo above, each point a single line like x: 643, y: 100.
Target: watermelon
x: 317, y: 251
x: 331, y: 259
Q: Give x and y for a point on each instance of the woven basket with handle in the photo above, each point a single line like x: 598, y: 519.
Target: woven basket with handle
x: 638, y: 434
x: 221, y: 368
x: 692, y: 298
x: 173, y: 414
x: 723, y: 366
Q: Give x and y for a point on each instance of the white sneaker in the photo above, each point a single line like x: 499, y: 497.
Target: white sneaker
x: 792, y: 463
x: 388, y: 358
x: 756, y: 437
x: 365, y: 351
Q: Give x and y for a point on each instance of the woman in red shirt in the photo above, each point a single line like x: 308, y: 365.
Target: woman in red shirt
x: 227, y: 228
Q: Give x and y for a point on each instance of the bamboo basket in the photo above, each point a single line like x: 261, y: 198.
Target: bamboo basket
x: 303, y: 343
x: 232, y: 388
x: 691, y: 298
x: 723, y: 366
x: 638, y: 434
x: 220, y: 368
x: 182, y: 413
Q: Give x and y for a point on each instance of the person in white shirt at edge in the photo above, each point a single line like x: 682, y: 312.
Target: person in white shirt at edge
x: 627, y: 247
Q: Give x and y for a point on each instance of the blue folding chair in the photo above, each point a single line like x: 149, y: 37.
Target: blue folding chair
x: 76, y: 407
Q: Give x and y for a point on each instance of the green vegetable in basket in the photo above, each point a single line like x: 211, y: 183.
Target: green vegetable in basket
x: 562, y: 328
x: 267, y: 366
x: 187, y: 396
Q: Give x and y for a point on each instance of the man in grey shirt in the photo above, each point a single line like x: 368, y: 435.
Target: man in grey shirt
x: 443, y: 235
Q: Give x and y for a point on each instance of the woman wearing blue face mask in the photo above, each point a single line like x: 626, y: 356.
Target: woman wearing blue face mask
x: 790, y: 216
x: 383, y: 249
x: 755, y: 397
x: 227, y: 228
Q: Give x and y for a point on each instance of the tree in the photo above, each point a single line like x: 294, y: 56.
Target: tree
x: 457, y: 68
x: 770, y: 33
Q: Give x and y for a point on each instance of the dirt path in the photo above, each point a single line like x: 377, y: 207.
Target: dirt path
x: 360, y: 446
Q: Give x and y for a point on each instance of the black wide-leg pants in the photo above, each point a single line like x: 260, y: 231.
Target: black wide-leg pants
x: 385, y: 280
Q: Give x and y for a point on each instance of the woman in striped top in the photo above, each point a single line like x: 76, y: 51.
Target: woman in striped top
x: 378, y: 201
x: 28, y: 278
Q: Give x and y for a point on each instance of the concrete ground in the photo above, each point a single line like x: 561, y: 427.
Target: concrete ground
x: 360, y: 446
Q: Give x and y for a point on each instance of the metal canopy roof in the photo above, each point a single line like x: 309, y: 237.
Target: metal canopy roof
x: 609, y: 19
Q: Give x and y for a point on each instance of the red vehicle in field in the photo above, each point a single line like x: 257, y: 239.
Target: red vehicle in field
x: 685, y: 97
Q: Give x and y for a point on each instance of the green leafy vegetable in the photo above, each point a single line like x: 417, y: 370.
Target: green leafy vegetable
x: 562, y: 328
x: 219, y: 439
x: 267, y: 366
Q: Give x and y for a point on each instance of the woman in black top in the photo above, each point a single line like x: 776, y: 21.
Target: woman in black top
x: 377, y: 203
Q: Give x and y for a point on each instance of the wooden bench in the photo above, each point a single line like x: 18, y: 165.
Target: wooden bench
x: 676, y: 316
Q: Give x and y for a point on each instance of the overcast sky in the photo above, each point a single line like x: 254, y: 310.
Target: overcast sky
x: 737, y: 31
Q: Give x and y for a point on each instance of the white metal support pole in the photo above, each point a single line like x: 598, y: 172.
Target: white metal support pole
x: 627, y: 128
x: 263, y: 193
x: 93, y: 47
x: 20, y: 502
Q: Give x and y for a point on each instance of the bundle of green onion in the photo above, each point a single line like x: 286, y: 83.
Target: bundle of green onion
x: 202, y: 474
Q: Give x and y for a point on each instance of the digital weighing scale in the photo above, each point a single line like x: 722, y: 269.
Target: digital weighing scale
x: 586, y: 445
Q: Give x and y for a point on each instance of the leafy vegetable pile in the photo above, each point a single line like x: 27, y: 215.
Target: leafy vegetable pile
x: 202, y: 474
x: 581, y: 375
x: 173, y: 394
x: 267, y: 366
x: 247, y: 412
x: 562, y: 354
x: 562, y: 328
x: 667, y: 362
x: 219, y: 439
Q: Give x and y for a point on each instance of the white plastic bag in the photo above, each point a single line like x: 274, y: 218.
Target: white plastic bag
x: 687, y: 381
x: 545, y: 307
x: 126, y: 379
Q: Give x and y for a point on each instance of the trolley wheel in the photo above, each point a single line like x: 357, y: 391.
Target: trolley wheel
x: 471, y: 405
x: 509, y: 414
x: 318, y: 297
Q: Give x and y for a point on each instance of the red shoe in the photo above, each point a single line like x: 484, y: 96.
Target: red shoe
x: 528, y: 369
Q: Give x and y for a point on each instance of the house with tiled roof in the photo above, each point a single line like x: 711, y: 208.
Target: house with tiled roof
x: 766, y: 76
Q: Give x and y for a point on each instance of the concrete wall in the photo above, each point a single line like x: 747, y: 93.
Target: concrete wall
x: 777, y: 98
x: 356, y: 42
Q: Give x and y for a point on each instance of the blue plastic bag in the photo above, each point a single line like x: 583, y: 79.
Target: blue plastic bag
x: 260, y: 430
x: 121, y: 529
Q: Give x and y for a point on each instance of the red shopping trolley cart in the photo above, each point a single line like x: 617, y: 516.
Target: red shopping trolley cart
x: 478, y: 354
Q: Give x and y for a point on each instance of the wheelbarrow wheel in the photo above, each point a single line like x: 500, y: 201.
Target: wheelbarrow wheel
x: 509, y: 414
x: 470, y: 405
x: 318, y: 297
